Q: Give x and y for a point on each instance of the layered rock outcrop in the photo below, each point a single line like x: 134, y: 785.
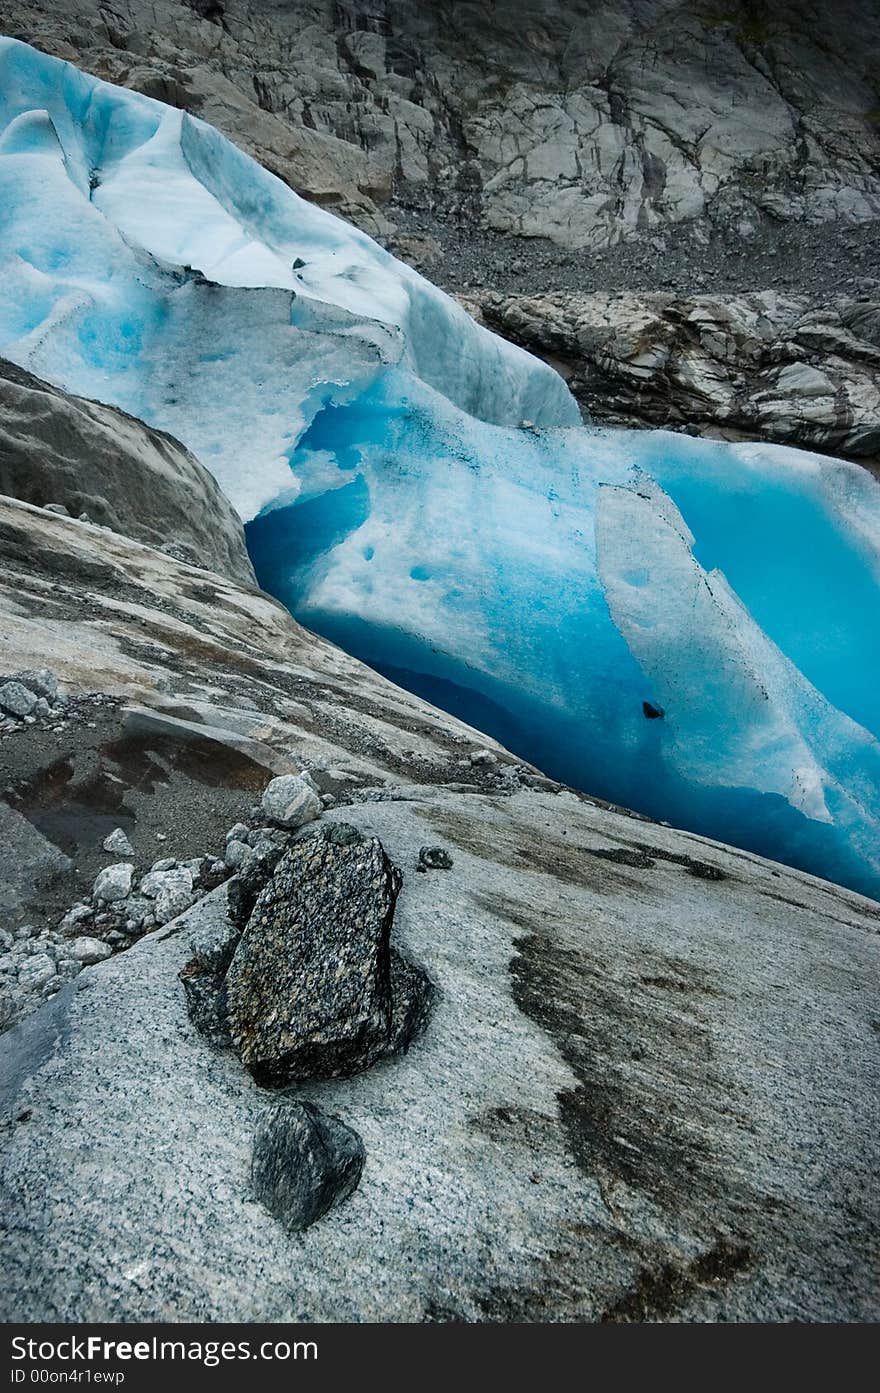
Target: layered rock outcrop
x: 767, y: 366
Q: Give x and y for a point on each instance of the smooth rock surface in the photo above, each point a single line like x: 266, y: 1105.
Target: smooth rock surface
x: 643, y: 1094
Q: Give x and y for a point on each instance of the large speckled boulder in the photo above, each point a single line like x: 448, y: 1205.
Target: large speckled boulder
x: 310, y: 987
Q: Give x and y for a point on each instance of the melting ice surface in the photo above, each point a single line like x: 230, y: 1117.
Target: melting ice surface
x: 552, y: 584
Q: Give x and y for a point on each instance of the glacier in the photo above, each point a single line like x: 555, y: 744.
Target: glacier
x: 680, y: 626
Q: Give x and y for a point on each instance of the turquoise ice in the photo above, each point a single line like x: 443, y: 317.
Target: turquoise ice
x: 683, y: 627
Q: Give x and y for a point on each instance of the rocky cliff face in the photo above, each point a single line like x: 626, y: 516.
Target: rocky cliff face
x: 761, y: 366
x: 645, y: 1085
x: 579, y: 122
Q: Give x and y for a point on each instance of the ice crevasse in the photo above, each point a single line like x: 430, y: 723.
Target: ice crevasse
x: 684, y: 627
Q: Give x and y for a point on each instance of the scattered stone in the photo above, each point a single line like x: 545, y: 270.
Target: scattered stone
x: 165, y: 863
x: 238, y: 833
x: 172, y: 891
x: 434, y: 858
x: 483, y: 758
x: 305, y: 1161
x: 58, y: 508
x: 40, y: 681
x: 35, y: 972
x: 213, y: 873
x: 259, y: 834
x: 290, y: 802
x: 135, y: 907
x: 114, y: 882
x: 16, y: 699
x: 89, y: 950
x: 80, y: 914
x: 178, y: 552
x: 309, y: 988
x: 236, y: 854
x: 118, y: 843
x: 342, y: 834
x: 193, y: 865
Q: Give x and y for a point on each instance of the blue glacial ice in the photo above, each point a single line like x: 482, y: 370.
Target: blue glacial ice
x: 684, y: 627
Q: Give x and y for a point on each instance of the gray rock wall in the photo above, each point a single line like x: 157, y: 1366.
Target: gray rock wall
x: 572, y: 120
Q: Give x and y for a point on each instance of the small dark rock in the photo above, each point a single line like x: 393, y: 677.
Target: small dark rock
x: 342, y: 834
x: 212, y: 873
x: 304, y: 1162
x: 434, y: 858
x: 652, y: 712
x: 623, y: 856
